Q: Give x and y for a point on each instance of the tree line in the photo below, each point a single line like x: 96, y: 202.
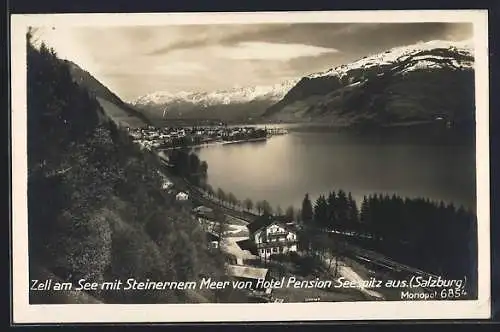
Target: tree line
x: 338, y: 210
x: 187, y: 164
x: 240, y: 136
x: 261, y: 207
x: 433, y: 236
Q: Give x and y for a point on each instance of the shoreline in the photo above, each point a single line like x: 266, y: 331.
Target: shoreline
x: 215, y: 143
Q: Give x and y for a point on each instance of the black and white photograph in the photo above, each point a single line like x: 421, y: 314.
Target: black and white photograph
x: 250, y: 166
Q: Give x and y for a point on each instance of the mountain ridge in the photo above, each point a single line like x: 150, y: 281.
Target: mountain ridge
x: 419, y: 82
x: 122, y: 112
x: 236, y: 94
x: 237, y: 103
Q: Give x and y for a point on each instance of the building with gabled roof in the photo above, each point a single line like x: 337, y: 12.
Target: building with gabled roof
x: 182, y: 196
x: 272, y: 236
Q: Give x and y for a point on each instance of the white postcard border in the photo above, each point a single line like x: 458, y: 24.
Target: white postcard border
x: 23, y: 312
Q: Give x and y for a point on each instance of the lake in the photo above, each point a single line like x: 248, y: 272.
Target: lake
x: 282, y: 169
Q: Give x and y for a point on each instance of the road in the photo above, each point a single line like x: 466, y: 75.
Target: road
x: 348, y: 273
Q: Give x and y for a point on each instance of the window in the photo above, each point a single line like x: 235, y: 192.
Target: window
x: 275, y: 249
x: 268, y: 250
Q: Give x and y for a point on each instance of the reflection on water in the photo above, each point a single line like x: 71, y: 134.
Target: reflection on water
x: 284, y: 168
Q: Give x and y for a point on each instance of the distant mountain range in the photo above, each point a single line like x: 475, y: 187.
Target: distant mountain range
x: 410, y: 84
x: 239, y: 103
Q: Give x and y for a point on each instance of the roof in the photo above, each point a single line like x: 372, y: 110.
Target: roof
x: 207, y: 215
x: 260, y: 222
x: 211, y: 236
x: 202, y: 209
x: 264, y: 221
x: 244, y: 271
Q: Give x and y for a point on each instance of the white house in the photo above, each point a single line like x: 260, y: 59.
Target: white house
x: 273, y: 237
x: 166, y: 184
x: 182, y: 196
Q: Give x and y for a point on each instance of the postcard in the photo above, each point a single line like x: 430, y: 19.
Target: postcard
x: 257, y: 167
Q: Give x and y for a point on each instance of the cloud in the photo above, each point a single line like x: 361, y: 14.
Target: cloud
x: 187, y: 37
x: 142, y: 68
x: 269, y: 51
x: 180, y: 68
x: 184, y: 44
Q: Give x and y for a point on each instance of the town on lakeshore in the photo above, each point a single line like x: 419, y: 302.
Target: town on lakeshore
x: 173, y: 137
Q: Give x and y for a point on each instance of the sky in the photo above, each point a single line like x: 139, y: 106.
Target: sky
x: 136, y: 60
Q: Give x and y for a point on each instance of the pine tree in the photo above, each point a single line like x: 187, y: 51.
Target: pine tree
x: 364, y: 212
x: 307, y: 211
x: 332, y: 210
x: 306, y: 234
x: 279, y: 211
x: 352, y: 209
x: 342, y: 210
x: 259, y: 207
x: 248, y: 204
x: 321, y: 212
x: 266, y: 208
x: 290, y: 213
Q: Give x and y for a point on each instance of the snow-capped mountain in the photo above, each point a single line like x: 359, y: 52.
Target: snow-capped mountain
x: 183, y: 104
x: 417, y: 53
x: 235, y: 95
x: 418, y: 82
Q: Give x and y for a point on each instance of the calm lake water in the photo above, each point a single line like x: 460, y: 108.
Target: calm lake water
x: 284, y: 168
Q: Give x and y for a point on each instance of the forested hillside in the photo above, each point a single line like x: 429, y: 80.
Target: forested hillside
x: 95, y: 205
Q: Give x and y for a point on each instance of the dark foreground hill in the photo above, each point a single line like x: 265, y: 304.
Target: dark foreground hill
x: 95, y: 207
